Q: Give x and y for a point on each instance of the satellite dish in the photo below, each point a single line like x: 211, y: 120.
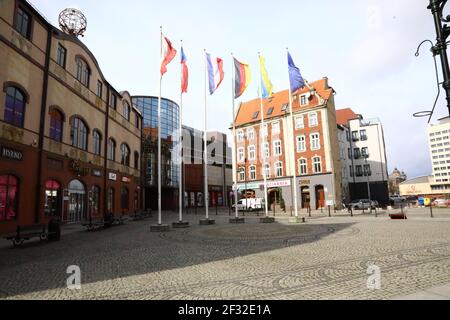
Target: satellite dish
x: 73, y: 22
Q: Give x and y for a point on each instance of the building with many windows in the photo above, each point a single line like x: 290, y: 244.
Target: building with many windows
x: 170, y: 159
x: 70, y: 143
x: 366, y: 159
x: 439, y: 146
x: 314, y: 144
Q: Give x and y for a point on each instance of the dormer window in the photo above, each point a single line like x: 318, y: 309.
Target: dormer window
x: 255, y: 115
x: 270, y: 112
x: 284, y: 107
x: 303, y: 100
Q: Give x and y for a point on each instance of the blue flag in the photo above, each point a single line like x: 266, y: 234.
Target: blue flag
x: 295, y: 77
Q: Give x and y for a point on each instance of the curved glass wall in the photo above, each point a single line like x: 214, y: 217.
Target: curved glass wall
x: 169, y: 138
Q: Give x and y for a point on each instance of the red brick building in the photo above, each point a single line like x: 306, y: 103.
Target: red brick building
x: 314, y: 144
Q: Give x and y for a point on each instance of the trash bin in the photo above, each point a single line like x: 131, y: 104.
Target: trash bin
x: 54, y: 230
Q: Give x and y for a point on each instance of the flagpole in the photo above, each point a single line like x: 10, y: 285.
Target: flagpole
x: 262, y: 132
x: 180, y: 141
x: 205, y: 156
x: 292, y: 150
x: 234, y: 141
x: 159, y: 143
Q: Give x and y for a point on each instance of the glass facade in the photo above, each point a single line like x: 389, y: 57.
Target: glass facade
x: 169, y: 136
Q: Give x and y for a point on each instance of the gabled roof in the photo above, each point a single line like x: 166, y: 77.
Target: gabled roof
x: 248, y: 110
x: 343, y: 116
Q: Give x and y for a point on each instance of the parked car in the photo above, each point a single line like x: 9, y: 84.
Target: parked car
x: 363, y: 204
x: 441, y: 203
x: 250, y: 204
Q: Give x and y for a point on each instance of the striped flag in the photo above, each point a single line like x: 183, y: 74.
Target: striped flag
x: 184, y: 73
x: 266, y: 85
x: 215, y: 73
x: 168, y: 53
x: 242, y: 78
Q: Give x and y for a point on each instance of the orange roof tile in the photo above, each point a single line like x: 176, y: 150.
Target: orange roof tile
x: 344, y: 115
x: 250, y: 111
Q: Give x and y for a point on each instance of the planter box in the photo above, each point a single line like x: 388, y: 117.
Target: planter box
x: 398, y: 216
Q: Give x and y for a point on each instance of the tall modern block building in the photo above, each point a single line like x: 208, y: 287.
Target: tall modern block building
x: 439, y: 147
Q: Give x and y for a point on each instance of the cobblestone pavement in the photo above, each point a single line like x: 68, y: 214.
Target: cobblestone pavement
x: 326, y: 258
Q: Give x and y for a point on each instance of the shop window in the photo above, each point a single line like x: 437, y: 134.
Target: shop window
x: 9, y: 197
x: 95, y: 204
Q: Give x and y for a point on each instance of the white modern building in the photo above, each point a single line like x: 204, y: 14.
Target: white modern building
x: 366, y: 157
x: 439, y: 147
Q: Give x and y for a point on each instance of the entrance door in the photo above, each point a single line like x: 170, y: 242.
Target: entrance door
x: 52, y: 206
x: 320, y: 197
x: 306, y: 197
x: 77, y: 206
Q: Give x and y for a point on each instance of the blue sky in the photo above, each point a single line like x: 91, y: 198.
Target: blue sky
x: 365, y: 47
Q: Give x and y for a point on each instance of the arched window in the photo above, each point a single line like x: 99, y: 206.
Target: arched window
x: 125, y: 198
x: 126, y: 111
x: 9, y: 197
x: 83, y: 71
x: 136, y: 160
x: 78, y: 133
x: 125, y: 152
x: 97, y: 142
x: 56, y: 125
x: 111, y: 149
x: 15, y: 106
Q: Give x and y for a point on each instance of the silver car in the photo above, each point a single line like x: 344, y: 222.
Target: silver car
x: 362, y: 204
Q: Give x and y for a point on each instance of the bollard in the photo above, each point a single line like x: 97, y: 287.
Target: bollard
x: 309, y: 211
x: 351, y: 211
x: 195, y: 210
x: 431, y: 211
x: 291, y: 211
x: 217, y: 213
x: 329, y: 211
x: 229, y: 211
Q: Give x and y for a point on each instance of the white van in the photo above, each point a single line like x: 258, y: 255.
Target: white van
x: 250, y: 204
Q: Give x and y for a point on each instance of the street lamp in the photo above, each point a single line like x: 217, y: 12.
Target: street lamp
x: 367, y: 172
x: 442, y: 33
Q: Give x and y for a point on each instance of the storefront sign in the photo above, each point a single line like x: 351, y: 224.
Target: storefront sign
x: 11, y: 154
x: 274, y: 184
x: 305, y: 182
x: 126, y: 180
x: 96, y: 173
x: 112, y: 176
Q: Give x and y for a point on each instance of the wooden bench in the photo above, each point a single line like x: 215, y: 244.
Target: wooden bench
x: 27, y: 233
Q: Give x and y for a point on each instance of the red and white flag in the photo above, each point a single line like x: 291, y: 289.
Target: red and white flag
x: 168, y: 53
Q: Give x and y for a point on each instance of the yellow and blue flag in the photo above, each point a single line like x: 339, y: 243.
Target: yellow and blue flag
x: 266, y: 85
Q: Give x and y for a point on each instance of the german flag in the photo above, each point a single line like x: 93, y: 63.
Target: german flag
x: 242, y: 78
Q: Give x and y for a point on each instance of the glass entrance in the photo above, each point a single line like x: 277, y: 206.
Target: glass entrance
x: 77, y: 207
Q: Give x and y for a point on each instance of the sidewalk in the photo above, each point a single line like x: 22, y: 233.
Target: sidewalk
x: 436, y: 293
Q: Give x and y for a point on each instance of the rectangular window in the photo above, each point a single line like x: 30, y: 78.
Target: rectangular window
x: 252, y: 153
x: 359, y: 171
x: 355, y: 135
x: 251, y: 134
x: 23, y: 23
x: 301, y: 144
x: 241, y: 155
x: 350, y: 154
x: 303, y: 100
x: 276, y: 128
x: 299, y: 123
x: 313, y: 122
x: 137, y: 121
x: 315, y: 141
x: 303, y: 167
x: 352, y: 174
x: 265, y: 151
x: 113, y: 102
x: 365, y: 152
x: 277, y: 148
x: 99, y: 88
x: 61, y: 57
x: 363, y: 135
x: 357, y: 153
x: 240, y: 136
